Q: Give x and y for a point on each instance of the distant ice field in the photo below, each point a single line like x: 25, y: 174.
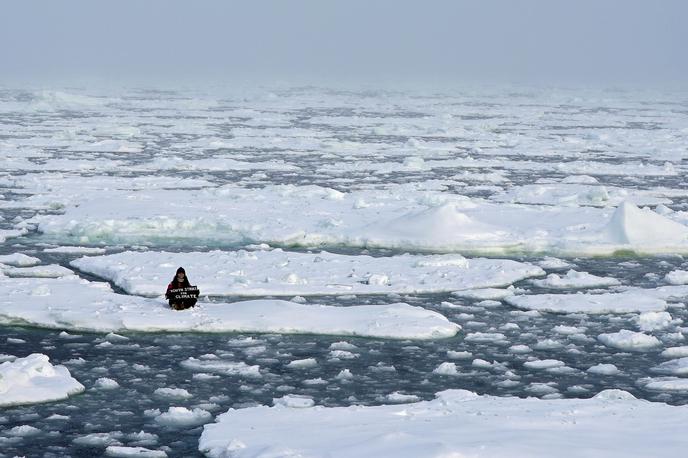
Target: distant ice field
x: 394, y: 244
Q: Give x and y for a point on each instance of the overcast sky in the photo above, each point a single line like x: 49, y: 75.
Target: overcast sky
x: 547, y: 40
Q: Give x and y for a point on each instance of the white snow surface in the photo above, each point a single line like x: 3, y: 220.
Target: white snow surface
x: 631, y: 300
x: 456, y: 423
x: 629, y: 340
x: 402, y: 217
x: 19, y: 260
x: 77, y: 304
x: 277, y: 272
x: 574, y: 279
x: 677, y: 277
x: 33, y: 379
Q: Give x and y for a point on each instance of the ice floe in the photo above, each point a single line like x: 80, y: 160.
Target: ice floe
x: 629, y: 340
x: 574, y: 279
x: 282, y: 273
x: 631, y: 300
x: 33, y: 379
x: 76, y: 304
x: 677, y: 277
x: 456, y: 422
x: 401, y: 218
x: 19, y: 260
x: 49, y: 271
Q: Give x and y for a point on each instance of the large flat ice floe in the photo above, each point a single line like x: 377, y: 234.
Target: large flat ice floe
x: 631, y: 300
x: 402, y: 217
x: 280, y: 273
x: 33, y: 379
x: 612, y: 424
x: 76, y: 304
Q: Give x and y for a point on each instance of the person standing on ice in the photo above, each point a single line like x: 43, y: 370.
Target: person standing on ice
x: 180, y: 280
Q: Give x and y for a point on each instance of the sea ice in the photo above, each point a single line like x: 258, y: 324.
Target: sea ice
x: 677, y: 277
x: 604, y: 369
x: 277, y: 272
x: 631, y: 300
x: 181, y: 417
x: 400, y: 218
x: 574, y: 279
x: 33, y: 379
x: 19, y: 260
x: 457, y: 422
x: 629, y: 340
x: 673, y: 367
x: 139, y: 452
x: 50, y: 271
x: 651, y: 321
x: 675, y: 352
x: 76, y: 304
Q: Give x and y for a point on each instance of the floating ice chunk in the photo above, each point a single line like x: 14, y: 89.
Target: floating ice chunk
x: 105, y: 383
x: 508, y: 426
x: 172, y: 393
x: 221, y: 366
x: 446, y: 368
x: 604, y: 369
x: 243, y: 273
x: 485, y: 293
x: 631, y: 300
x: 50, y: 271
x: 99, y: 439
x: 342, y: 345
x: 541, y: 389
x: 548, y: 344
x: 19, y: 260
x: 76, y: 250
x: 568, y: 330
x: 302, y: 363
x: 497, y: 337
x: 520, y: 349
x: 673, y: 367
x: 670, y: 384
x: 549, y: 262
x: 181, y: 417
x: 574, y: 279
x: 675, y: 352
x: 651, y: 321
x: 629, y: 340
x: 50, y: 303
x: 677, y: 277
x: 543, y: 364
x: 140, y: 452
x: 33, y: 380
x: 294, y: 401
x: 23, y: 431
x: 344, y: 374
x: 342, y: 354
x: 459, y: 354
x: 401, y: 398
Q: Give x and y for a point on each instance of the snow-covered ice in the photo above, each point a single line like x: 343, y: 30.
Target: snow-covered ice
x: 406, y: 219
x: 631, y: 300
x: 455, y: 423
x: 629, y: 340
x: 77, y: 304
x: 574, y: 279
x: 278, y: 272
x: 33, y: 379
